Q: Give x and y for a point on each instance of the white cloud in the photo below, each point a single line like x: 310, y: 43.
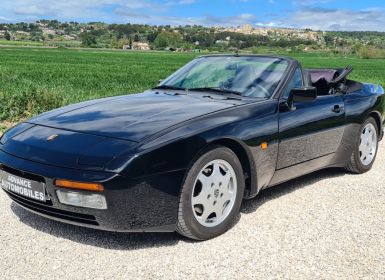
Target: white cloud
x: 160, y: 12
x: 268, y: 24
x: 208, y: 20
x: 337, y: 19
x: 310, y: 2
x: 79, y: 9
x: 46, y: 8
x: 184, y: 2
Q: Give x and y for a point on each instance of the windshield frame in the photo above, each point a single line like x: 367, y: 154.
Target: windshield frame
x: 274, y: 95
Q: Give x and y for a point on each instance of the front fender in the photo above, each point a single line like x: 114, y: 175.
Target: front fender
x: 242, y: 130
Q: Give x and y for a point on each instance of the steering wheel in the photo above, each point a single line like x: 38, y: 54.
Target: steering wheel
x: 257, y: 88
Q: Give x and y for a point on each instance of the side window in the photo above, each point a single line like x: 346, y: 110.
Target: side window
x: 296, y: 81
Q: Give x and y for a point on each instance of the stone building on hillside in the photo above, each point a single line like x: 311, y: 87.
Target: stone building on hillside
x: 138, y: 46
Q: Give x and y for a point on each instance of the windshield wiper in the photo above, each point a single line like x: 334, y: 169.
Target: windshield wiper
x: 214, y: 89
x: 169, y: 87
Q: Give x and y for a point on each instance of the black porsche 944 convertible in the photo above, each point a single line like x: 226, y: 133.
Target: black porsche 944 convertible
x: 183, y: 155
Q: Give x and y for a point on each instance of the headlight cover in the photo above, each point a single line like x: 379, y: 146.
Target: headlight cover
x: 80, y: 199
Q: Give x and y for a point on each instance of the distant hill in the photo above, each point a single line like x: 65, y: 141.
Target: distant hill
x: 181, y: 38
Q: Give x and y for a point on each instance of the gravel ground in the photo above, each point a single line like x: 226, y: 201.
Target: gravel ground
x: 325, y: 225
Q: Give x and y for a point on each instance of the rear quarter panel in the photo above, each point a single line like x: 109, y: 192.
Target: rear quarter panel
x: 358, y: 107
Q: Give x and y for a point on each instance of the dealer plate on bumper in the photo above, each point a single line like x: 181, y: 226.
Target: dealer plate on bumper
x: 21, y: 186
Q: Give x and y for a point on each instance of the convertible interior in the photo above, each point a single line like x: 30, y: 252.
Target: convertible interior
x: 327, y: 81
x: 331, y: 81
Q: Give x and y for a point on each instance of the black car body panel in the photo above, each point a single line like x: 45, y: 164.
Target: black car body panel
x: 133, y: 204
x: 132, y: 117
x: 70, y: 149
x: 140, y: 147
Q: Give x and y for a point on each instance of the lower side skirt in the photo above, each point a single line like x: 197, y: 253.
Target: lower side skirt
x: 289, y: 173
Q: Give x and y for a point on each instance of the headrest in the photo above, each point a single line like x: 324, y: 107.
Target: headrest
x: 327, y: 74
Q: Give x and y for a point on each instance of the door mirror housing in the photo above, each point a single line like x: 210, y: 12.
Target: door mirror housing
x: 303, y: 94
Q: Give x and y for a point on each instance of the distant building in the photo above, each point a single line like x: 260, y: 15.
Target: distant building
x: 48, y: 31
x: 40, y: 24
x: 222, y: 42
x: 68, y: 37
x: 272, y: 31
x: 246, y: 29
x: 22, y: 33
x: 138, y: 46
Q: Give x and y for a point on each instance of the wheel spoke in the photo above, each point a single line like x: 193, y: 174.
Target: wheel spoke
x: 363, y: 152
x: 205, y: 191
x: 216, y: 175
x: 362, y: 146
x: 200, y: 199
x: 370, y: 138
x: 206, y: 213
x: 218, y: 208
x: 366, y: 137
x: 363, y: 157
x: 226, y: 180
x: 226, y: 196
x: 205, y: 181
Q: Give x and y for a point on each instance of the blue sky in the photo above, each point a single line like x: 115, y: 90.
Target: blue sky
x: 315, y: 14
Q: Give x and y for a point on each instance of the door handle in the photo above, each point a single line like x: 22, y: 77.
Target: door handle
x: 338, y: 109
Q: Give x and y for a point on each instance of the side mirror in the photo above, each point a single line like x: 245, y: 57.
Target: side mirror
x: 304, y: 94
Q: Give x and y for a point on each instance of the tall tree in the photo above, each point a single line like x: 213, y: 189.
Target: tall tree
x: 7, y: 36
x: 88, y: 40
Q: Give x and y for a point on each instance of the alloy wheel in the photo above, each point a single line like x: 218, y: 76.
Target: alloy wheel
x: 214, y: 193
x: 368, y: 144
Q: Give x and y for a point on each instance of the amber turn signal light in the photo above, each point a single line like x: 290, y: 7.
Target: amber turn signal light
x: 95, y: 187
x: 264, y: 146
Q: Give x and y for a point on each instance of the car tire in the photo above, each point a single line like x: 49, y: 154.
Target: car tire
x: 211, y: 195
x: 358, y: 163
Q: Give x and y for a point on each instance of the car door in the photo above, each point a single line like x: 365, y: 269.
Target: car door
x: 309, y: 130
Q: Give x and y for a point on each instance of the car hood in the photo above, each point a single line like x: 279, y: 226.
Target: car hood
x: 132, y: 117
x: 63, y: 148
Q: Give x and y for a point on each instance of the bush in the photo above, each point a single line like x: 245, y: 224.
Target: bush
x: 7, y: 36
x: 88, y: 40
x: 168, y: 40
x: 28, y: 103
x: 370, y: 52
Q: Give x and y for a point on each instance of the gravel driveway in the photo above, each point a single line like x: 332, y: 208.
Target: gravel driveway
x: 325, y: 225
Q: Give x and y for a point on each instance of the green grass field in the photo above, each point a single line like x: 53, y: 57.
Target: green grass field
x: 33, y: 80
x: 20, y: 43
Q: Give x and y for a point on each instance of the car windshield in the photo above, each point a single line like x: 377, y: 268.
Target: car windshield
x: 249, y: 76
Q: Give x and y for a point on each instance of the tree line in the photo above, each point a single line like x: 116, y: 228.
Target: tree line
x: 99, y: 34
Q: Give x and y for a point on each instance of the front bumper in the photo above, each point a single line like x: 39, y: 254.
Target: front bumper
x: 133, y: 205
